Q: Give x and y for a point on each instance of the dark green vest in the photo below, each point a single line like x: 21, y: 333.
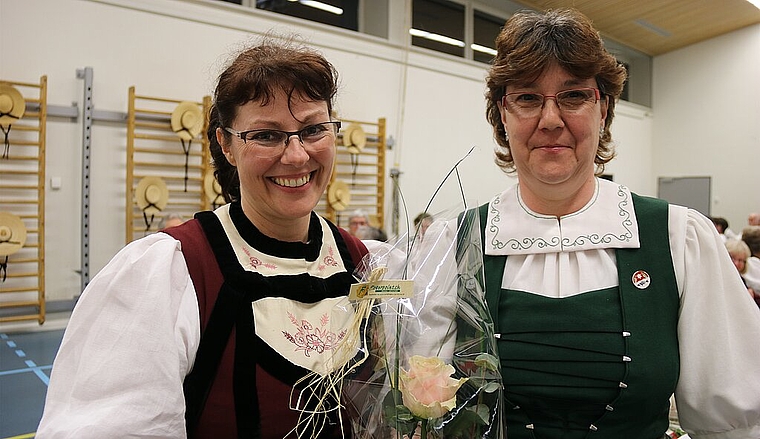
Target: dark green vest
x: 601, y: 364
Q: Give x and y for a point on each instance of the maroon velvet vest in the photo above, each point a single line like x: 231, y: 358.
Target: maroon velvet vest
x: 216, y: 416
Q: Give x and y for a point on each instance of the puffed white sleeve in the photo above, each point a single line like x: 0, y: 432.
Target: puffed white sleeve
x: 430, y: 328
x: 131, y: 340
x: 718, y: 392
x: 427, y: 319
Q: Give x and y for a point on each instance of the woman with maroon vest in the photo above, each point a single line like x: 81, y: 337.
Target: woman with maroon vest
x: 203, y: 331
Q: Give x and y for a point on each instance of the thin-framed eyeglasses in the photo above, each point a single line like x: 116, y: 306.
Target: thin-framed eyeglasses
x: 273, y: 142
x: 528, y: 104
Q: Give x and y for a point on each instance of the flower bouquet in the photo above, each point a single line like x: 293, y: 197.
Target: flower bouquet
x: 433, y: 369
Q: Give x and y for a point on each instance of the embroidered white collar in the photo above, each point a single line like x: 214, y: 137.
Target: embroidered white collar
x: 607, y: 221
x: 327, y: 264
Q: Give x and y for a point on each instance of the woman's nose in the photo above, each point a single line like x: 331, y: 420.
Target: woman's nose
x: 295, y: 153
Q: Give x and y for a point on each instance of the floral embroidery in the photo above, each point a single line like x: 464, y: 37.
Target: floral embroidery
x: 563, y: 243
x: 256, y: 262
x: 329, y: 259
x: 310, y: 339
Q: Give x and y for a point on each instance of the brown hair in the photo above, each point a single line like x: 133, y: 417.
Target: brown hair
x: 255, y: 75
x: 751, y: 236
x: 532, y: 41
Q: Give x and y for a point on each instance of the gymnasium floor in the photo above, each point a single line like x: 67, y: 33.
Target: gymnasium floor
x: 26, y: 357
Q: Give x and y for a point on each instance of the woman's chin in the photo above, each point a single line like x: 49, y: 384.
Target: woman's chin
x: 298, y: 208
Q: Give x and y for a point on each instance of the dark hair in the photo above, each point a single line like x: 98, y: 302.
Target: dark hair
x: 373, y: 233
x: 528, y: 44
x: 751, y: 236
x: 419, y: 218
x: 257, y: 74
x: 719, y: 221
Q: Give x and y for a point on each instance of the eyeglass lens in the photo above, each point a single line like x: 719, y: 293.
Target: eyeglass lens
x: 273, y: 142
x: 567, y: 100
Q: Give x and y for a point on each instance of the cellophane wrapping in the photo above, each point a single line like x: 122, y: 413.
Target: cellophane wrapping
x: 433, y: 369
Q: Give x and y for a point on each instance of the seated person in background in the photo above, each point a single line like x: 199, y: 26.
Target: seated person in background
x: 753, y: 219
x: 171, y: 220
x: 357, y: 219
x: 721, y: 224
x: 739, y: 252
x: 422, y: 221
x: 751, y: 237
x: 373, y: 233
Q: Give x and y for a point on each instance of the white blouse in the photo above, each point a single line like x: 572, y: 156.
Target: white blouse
x: 133, y: 336
x: 120, y: 380
x: 718, y: 391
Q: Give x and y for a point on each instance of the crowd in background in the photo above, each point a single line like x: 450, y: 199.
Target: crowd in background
x: 744, y: 250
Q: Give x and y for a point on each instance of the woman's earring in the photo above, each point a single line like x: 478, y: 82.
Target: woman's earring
x: 506, y: 136
x: 601, y: 131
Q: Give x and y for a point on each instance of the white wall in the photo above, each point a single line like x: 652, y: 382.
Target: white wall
x: 707, y: 119
x: 434, y: 104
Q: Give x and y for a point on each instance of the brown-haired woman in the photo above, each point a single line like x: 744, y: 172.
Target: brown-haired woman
x: 605, y: 302
x: 203, y: 330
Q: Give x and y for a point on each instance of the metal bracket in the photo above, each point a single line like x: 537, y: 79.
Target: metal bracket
x: 87, y: 118
x: 71, y: 112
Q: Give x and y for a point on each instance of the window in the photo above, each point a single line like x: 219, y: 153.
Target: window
x: 438, y: 25
x: 624, y: 94
x: 339, y: 13
x: 638, y: 87
x: 486, y: 28
x: 463, y: 28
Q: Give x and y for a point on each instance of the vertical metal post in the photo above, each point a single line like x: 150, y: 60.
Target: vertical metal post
x: 395, y: 208
x: 86, y: 75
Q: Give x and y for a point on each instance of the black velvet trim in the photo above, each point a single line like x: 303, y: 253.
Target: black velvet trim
x: 247, y: 413
x: 301, y: 287
x: 281, y: 249
x: 253, y: 286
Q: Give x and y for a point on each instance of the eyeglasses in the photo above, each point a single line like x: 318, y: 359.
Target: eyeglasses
x: 271, y: 142
x: 569, y: 101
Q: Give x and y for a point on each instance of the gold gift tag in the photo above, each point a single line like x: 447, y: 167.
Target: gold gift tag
x: 375, y: 288
x: 382, y: 289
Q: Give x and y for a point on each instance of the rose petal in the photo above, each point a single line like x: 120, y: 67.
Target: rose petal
x: 427, y: 388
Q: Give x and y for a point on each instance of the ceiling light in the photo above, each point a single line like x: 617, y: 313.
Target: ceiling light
x: 436, y: 37
x: 483, y: 49
x: 322, y: 6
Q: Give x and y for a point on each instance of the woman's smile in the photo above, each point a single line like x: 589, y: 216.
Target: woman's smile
x: 552, y: 148
x: 292, y: 182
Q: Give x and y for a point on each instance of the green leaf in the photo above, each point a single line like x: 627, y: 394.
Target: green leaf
x: 482, y: 412
x: 403, y: 413
x: 491, y: 387
x: 392, y: 398
x: 467, y: 422
x: 488, y: 361
x: 397, y: 415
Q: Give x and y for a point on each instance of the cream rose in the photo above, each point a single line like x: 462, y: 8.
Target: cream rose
x: 427, y: 389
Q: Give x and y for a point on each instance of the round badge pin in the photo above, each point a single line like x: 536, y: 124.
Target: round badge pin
x: 641, y: 279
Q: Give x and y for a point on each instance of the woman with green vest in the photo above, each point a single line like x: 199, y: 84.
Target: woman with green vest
x: 605, y: 303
